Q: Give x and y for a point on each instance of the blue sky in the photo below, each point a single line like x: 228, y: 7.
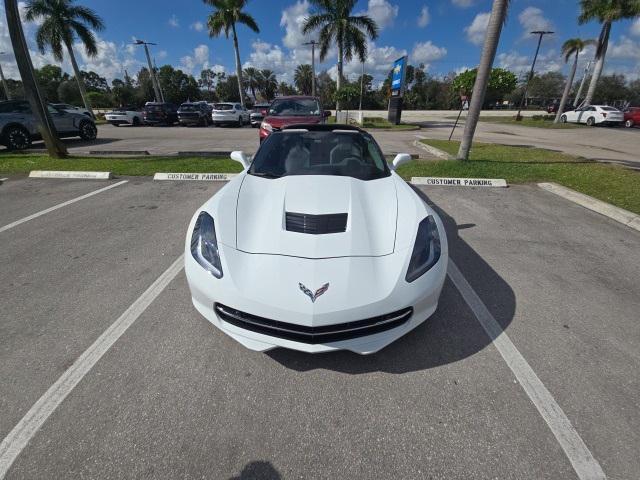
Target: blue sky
x: 445, y: 35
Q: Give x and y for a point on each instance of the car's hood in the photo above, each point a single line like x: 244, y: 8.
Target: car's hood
x: 371, y: 208
x: 280, y: 122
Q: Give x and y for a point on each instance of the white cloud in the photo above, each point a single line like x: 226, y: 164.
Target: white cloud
x: 635, y: 27
x: 477, y: 30
x: 462, y: 3
x: 424, y: 18
x: 174, y: 22
x: 382, y: 12
x: 549, y: 61
x: 197, y: 26
x: 532, y: 19
x: 624, y: 48
x: 162, y: 54
x: 197, y: 61
x: 427, y: 52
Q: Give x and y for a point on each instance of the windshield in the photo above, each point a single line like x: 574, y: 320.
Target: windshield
x: 298, y: 107
x: 188, y: 107
x: 153, y: 108
x: 609, y: 109
x: 223, y: 106
x: 347, y: 154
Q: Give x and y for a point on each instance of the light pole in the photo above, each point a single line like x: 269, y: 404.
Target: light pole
x: 581, y: 87
x: 152, y: 72
x: 540, y: 34
x: 313, y: 44
x: 4, y: 80
x: 361, y: 87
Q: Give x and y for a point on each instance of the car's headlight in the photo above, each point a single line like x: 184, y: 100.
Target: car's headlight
x: 426, y: 251
x: 266, y: 126
x: 204, y: 245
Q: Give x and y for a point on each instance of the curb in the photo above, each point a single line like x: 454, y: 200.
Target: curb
x: 211, y: 153
x: 210, y: 177
x: 432, y: 150
x: 118, y: 152
x: 70, y: 174
x: 618, y: 214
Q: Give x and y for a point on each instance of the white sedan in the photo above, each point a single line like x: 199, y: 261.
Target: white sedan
x: 318, y: 245
x: 594, y: 115
x: 125, y: 116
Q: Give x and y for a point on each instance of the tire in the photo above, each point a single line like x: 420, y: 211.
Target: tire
x: 563, y: 119
x: 591, y: 121
x: 629, y: 123
x: 88, y: 131
x: 17, y: 138
x: 136, y: 122
x: 239, y: 122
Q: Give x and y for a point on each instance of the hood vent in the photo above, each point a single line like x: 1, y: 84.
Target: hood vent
x: 316, y: 224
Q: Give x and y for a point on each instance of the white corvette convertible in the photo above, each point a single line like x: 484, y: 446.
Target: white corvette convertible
x: 317, y: 245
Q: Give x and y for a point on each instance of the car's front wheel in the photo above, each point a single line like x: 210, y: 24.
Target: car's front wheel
x: 17, y: 138
x: 629, y: 123
x: 563, y: 119
x: 88, y: 131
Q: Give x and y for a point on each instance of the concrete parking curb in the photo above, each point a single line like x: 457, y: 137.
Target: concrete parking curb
x: 460, y: 182
x: 618, y: 214
x: 433, y: 150
x: 211, y: 177
x: 70, y: 174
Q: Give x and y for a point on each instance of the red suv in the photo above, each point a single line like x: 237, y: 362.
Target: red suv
x: 286, y: 111
x: 632, y: 117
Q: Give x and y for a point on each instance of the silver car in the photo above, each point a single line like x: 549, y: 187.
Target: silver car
x: 18, y: 126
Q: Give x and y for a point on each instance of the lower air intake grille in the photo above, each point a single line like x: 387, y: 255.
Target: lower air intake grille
x: 316, y: 224
x: 313, y: 335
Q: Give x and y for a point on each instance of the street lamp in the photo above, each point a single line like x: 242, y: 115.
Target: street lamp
x: 152, y: 72
x: 540, y: 34
x: 4, y: 80
x: 313, y: 44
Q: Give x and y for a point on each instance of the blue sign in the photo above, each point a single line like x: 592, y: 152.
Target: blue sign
x: 397, y: 77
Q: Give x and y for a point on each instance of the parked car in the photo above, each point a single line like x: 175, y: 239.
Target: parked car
x: 227, y: 113
x: 632, y: 117
x: 71, y: 109
x: 360, y: 257
x: 594, y: 115
x: 292, y: 110
x: 257, y: 113
x: 125, y: 116
x: 197, y: 113
x: 18, y: 124
x: 156, y: 113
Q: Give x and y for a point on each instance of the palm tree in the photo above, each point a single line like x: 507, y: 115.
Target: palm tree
x: 571, y: 47
x: 303, y: 79
x: 491, y: 40
x: 606, y: 12
x: 339, y: 27
x: 227, y: 13
x: 268, y: 84
x: 252, y: 79
x: 62, y: 22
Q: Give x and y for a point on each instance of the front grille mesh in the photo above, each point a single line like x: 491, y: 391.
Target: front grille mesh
x: 313, y: 335
x: 316, y: 224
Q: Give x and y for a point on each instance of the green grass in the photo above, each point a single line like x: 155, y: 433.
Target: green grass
x: 613, y: 184
x: 537, y: 121
x: 147, y: 165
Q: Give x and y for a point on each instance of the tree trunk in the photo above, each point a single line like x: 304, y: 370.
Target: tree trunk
x: 238, y: 66
x: 494, y: 28
x: 46, y: 126
x: 79, y: 79
x: 4, y: 85
x: 601, y: 52
x: 339, y: 80
x: 567, y: 88
x: 580, y: 88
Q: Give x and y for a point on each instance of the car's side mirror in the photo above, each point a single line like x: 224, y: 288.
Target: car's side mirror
x: 241, y: 157
x: 327, y: 113
x: 400, y: 159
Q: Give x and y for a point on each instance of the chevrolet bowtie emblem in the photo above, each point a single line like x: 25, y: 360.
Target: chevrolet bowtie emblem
x: 310, y: 294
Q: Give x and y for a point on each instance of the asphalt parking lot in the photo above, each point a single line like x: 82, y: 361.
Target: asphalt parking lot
x: 173, y: 397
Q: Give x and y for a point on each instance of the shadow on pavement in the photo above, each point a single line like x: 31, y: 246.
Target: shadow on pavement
x: 259, y: 470
x: 450, y: 335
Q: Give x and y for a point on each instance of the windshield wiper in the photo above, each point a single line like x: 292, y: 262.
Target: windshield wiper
x: 265, y: 174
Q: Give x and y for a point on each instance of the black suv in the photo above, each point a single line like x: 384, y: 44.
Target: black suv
x: 155, y: 113
x: 18, y: 127
x: 197, y: 113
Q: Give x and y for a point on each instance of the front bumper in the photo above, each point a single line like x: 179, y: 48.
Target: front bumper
x: 361, y: 288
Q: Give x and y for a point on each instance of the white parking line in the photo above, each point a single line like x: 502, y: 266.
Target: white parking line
x: 60, y: 205
x: 26, y: 428
x: 585, y: 466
